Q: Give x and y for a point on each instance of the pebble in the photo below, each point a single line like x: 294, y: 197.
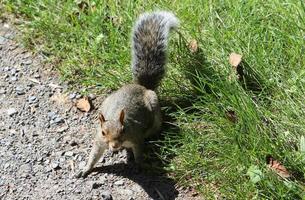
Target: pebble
x: 62, y: 129
x: 72, y: 96
x: 69, y: 153
x: 27, y: 62
x: 82, y: 164
x: 20, y: 90
x: 14, y: 78
x: 92, y: 96
x: 78, y: 96
x: 13, y: 71
x: 2, y: 91
x: 2, y: 40
x: 58, y: 120
x: 119, y: 183
x: 55, y: 165
x: 52, y: 115
x: 32, y: 99
x: 36, y: 76
x: 106, y: 195
x: 11, y: 111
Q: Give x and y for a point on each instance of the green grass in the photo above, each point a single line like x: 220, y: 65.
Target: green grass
x: 91, y: 47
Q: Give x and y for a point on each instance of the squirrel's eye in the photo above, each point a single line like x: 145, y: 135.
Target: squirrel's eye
x: 103, y: 133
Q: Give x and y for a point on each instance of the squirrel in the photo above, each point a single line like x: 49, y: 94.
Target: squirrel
x: 132, y: 113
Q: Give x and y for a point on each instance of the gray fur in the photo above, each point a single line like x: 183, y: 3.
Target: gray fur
x: 149, y: 44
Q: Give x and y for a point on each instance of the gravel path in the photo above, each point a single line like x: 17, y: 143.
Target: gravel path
x: 44, y: 139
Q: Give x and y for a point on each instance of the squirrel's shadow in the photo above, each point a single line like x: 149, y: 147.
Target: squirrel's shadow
x: 156, y: 186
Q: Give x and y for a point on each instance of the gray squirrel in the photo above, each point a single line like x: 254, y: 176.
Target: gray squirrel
x: 132, y: 113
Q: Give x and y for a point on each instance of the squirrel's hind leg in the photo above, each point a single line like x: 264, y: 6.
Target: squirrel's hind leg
x: 152, y: 103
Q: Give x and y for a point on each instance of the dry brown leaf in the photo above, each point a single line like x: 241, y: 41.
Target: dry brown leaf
x: 278, y: 167
x: 83, y: 104
x: 235, y: 59
x: 193, y: 46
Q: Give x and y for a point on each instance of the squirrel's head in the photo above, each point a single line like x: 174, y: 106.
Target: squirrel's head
x: 112, y: 131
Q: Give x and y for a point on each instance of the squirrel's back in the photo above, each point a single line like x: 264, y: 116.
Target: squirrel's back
x: 149, y: 43
x: 132, y: 99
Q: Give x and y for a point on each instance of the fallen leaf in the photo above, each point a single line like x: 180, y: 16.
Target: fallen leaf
x: 277, y: 167
x: 235, y: 59
x: 83, y: 104
x: 255, y: 174
x: 193, y: 46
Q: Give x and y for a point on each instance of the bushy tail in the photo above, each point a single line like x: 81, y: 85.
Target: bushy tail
x: 149, y: 43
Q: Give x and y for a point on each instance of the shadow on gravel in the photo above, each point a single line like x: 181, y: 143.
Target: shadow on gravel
x: 156, y: 186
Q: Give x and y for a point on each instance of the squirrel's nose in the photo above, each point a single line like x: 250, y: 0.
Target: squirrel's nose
x: 115, y: 146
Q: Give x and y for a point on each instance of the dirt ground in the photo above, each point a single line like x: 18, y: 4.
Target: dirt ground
x: 45, y: 140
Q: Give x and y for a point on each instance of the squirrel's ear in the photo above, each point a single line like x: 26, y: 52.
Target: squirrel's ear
x: 101, y: 118
x: 122, y: 115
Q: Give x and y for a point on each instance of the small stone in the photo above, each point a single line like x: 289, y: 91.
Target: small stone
x: 32, y: 99
x: 62, y: 129
x: 52, y: 115
x: 72, y: 96
x: 14, y: 78
x: 11, y: 111
x: 6, y: 69
x: 2, y: 40
x: 106, y: 195
x: 27, y: 62
x: 55, y: 165
x: 36, y: 76
x: 82, y: 164
x: 69, y: 153
x: 7, y: 165
x: 92, y: 96
x: 20, y: 90
x: 119, y: 183
x: 13, y: 71
x: 2, y: 91
x: 78, y: 96
x: 58, y: 120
